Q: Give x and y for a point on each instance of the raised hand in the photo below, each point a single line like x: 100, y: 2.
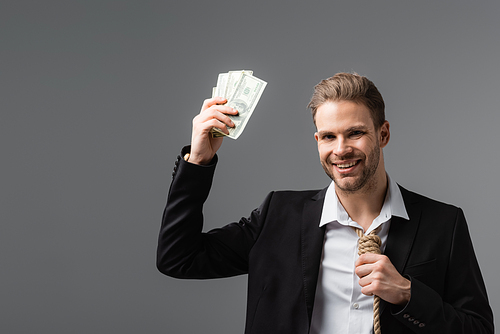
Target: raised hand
x: 213, y: 114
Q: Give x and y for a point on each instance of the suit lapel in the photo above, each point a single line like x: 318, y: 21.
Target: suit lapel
x: 312, y: 238
x: 402, y: 234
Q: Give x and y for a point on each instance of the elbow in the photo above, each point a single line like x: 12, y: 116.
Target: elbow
x: 170, y: 266
x: 162, y: 268
x: 165, y: 267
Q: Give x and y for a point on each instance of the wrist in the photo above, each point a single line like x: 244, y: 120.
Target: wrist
x: 405, y: 292
x: 197, y: 159
x: 188, y: 155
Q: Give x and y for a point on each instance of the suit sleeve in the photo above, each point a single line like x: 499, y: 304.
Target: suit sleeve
x: 184, y: 251
x: 463, y: 306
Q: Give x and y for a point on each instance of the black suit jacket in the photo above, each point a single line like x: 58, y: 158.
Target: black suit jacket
x: 280, y: 244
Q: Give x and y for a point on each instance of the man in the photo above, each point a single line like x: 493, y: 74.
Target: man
x: 299, y: 248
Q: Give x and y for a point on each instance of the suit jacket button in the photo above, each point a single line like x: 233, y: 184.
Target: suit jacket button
x: 411, y: 319
x: 421, y: 325
x: 406, y: 316
x: 416, y: 322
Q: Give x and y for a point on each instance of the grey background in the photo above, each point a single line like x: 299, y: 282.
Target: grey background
x: 97, y: 98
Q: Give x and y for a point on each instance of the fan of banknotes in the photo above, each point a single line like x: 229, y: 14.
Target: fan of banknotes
x: 242, y: 91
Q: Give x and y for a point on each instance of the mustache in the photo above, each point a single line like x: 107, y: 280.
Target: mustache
x: 345, y: 157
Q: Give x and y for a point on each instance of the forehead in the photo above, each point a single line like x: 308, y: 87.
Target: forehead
x: 340, y: 115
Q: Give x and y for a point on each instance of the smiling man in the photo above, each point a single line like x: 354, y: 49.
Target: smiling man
x: 301, y: 248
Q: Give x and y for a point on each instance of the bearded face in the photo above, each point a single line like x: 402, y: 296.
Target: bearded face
x: 349, y: 146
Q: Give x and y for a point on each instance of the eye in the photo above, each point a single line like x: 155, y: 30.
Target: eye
x: 357, y: 133
x: 328, y: 137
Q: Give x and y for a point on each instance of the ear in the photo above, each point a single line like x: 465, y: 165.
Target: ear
x: 385, y: 134
x: 316, y: 136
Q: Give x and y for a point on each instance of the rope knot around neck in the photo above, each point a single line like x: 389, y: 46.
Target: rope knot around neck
x: 369, y: 244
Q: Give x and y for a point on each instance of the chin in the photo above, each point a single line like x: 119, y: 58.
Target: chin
x: 348, y: 187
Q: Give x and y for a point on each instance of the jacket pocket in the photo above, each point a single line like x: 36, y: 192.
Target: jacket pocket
x: 421, y: 269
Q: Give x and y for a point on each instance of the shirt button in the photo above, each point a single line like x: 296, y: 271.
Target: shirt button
x: 355, y: 305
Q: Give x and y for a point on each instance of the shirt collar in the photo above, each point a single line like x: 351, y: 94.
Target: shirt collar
x: 334, y: 211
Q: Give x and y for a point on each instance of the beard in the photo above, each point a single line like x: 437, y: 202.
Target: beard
x: 365, y: 180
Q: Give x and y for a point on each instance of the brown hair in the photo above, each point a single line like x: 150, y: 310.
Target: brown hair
x: 349, y: 87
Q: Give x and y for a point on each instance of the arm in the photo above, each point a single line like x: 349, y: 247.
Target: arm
x: 183, y: 250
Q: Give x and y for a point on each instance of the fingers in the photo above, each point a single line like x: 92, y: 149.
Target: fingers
x: 371, y: 288
x: 395, y: 290
x: 368, y: 258
x: 215, y: 115
x: 370, y: 278
x: 378, y: 276
x: 211, y: 102
x: 371, y: 263
x: 202, y: 127
x: 370, y: 268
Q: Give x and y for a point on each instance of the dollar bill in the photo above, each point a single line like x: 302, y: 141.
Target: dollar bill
x: 226, y: 83
x: 220, y: 89
x: 233, y: 79
x: 244, y: 97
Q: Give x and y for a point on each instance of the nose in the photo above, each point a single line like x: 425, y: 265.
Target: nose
x: 342, y: 147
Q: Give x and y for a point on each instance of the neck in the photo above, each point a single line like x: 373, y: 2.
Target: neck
x: 364, y: 206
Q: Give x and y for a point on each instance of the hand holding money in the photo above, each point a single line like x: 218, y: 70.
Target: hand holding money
x: 242, y: 91
x: 213, y: 114
x: 225, y: 114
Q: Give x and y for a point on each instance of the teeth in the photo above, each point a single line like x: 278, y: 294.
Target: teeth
x: 346, y: 165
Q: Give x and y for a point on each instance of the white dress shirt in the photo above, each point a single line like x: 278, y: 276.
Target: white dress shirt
x: 339, y: 305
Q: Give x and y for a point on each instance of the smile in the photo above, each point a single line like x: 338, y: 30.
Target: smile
x: 346, y: 165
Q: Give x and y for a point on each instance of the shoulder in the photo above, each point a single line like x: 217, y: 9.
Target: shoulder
x: 429, y: 205
x: 292, y: 200
x: 298, y: 195
x: 412, y: 197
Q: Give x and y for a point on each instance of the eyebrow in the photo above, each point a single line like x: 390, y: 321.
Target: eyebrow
x: 357, y: 128
x: 324, y: 133
x: 350, y: 129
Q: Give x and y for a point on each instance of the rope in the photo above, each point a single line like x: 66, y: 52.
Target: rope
x: 371, y: 244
